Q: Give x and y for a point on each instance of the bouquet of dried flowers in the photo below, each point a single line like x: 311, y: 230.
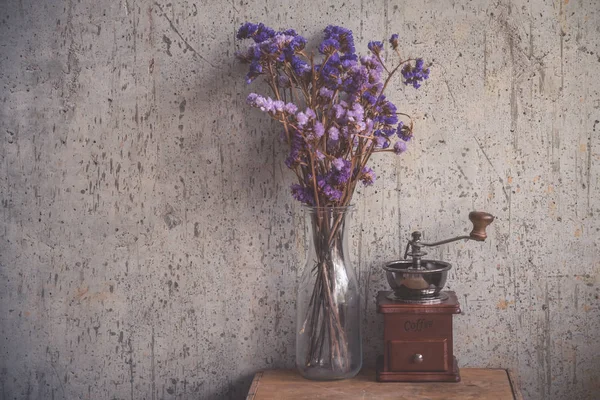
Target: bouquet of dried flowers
x: 335, y: 116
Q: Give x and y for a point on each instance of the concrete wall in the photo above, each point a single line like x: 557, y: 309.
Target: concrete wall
x: 148, y: 243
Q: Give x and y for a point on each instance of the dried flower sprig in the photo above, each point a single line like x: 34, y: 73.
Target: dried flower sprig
x: 334, y: 112
x: 335, y: 116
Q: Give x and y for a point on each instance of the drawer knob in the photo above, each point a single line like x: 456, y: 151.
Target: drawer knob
x: 418, y: 358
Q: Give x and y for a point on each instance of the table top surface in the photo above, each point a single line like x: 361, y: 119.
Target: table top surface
x: 476, y: 383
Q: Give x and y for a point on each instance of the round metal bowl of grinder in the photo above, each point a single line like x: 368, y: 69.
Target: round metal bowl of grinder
x: 414, y: 284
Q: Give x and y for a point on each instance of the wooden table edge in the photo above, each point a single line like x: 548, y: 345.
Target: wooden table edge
x: 254, y: 386
x: 514, y: 385
x: 510, y: 374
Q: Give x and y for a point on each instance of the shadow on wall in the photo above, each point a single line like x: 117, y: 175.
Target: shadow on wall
x: 237, y: 389
x: 255, y: 166
x: 251, y: 185
x: 239, y: 191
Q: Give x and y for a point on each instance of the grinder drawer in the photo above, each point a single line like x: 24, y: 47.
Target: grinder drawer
x: 418, y: 355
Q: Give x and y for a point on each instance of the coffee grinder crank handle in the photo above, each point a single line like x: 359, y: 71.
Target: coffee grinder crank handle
x: 480, y: 221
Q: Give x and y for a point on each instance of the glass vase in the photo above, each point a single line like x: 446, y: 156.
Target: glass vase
x: 328, y: 334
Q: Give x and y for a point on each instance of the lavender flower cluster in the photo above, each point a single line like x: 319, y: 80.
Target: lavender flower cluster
x: 334, y: 112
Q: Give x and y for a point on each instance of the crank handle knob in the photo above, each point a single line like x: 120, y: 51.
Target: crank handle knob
x: 480, y: 221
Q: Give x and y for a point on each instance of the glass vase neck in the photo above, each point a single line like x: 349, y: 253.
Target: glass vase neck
x: 329, y: 209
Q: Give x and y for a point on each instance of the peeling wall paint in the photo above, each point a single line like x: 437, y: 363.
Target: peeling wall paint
x: 148, y: 244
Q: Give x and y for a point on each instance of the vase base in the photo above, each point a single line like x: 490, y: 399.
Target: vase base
x: 323, y: 374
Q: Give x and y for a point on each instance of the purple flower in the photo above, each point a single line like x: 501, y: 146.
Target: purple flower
x: 304, y: 118
x: 348, y: 103
x: 329, y: 46
x: 321, y: 180
x: 404, y: 132
x: 300, y: 67
x: 341, y: 72
x: 368, y: 177
x: 290, y: 108
x: 301, y: 118
x: 296, y: 149
x: 270, y: 48
x: 415, y: 75
x: 332, y: 193
x: 338, y: 163
x: 292, y: 32
x: 284, y: 82
x: 319, y: 129
x: 375, y: 47
x: 356, y: 79
x: 255, y: 67
x: 251, y: 99
x: 386, y: 132
x: 347, y: 61
x: 303, y: 194
x: 296, y: 44
x: 371, y: 62
x: 247, y: 30
x: 343, y: 36
x: 331, y: 72
x: 339, y: 111
x: 344, y: 174
x: 356, y: 112
x: 263, y: 33
x: 373, y: 86
x: 382, y: 142
x: 269, y: 105
x: 394, y: 41
x: 370, y: 98
x: 339, y: 175
x: 390, y: 119
x: 259, y: 33
x: 399, y: 147
x: 254, y: 72
x: 399, y: 129
x: 360, y: 126
x: 334, y: 133
x: 324, y: 92
x: 264, y: 103
x: 386, y: 111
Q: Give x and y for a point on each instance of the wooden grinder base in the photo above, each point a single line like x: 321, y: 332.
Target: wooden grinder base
x: 418, y: 343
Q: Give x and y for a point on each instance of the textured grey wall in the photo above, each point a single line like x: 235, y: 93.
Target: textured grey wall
x: 149, y: 246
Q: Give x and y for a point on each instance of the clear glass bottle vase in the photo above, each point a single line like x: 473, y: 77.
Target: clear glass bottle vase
x: 328, y: 334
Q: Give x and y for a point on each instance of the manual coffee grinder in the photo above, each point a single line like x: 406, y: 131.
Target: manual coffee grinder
x: 418, y: 314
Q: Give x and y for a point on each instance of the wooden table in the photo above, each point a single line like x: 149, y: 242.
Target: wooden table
x: 476, y: 384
